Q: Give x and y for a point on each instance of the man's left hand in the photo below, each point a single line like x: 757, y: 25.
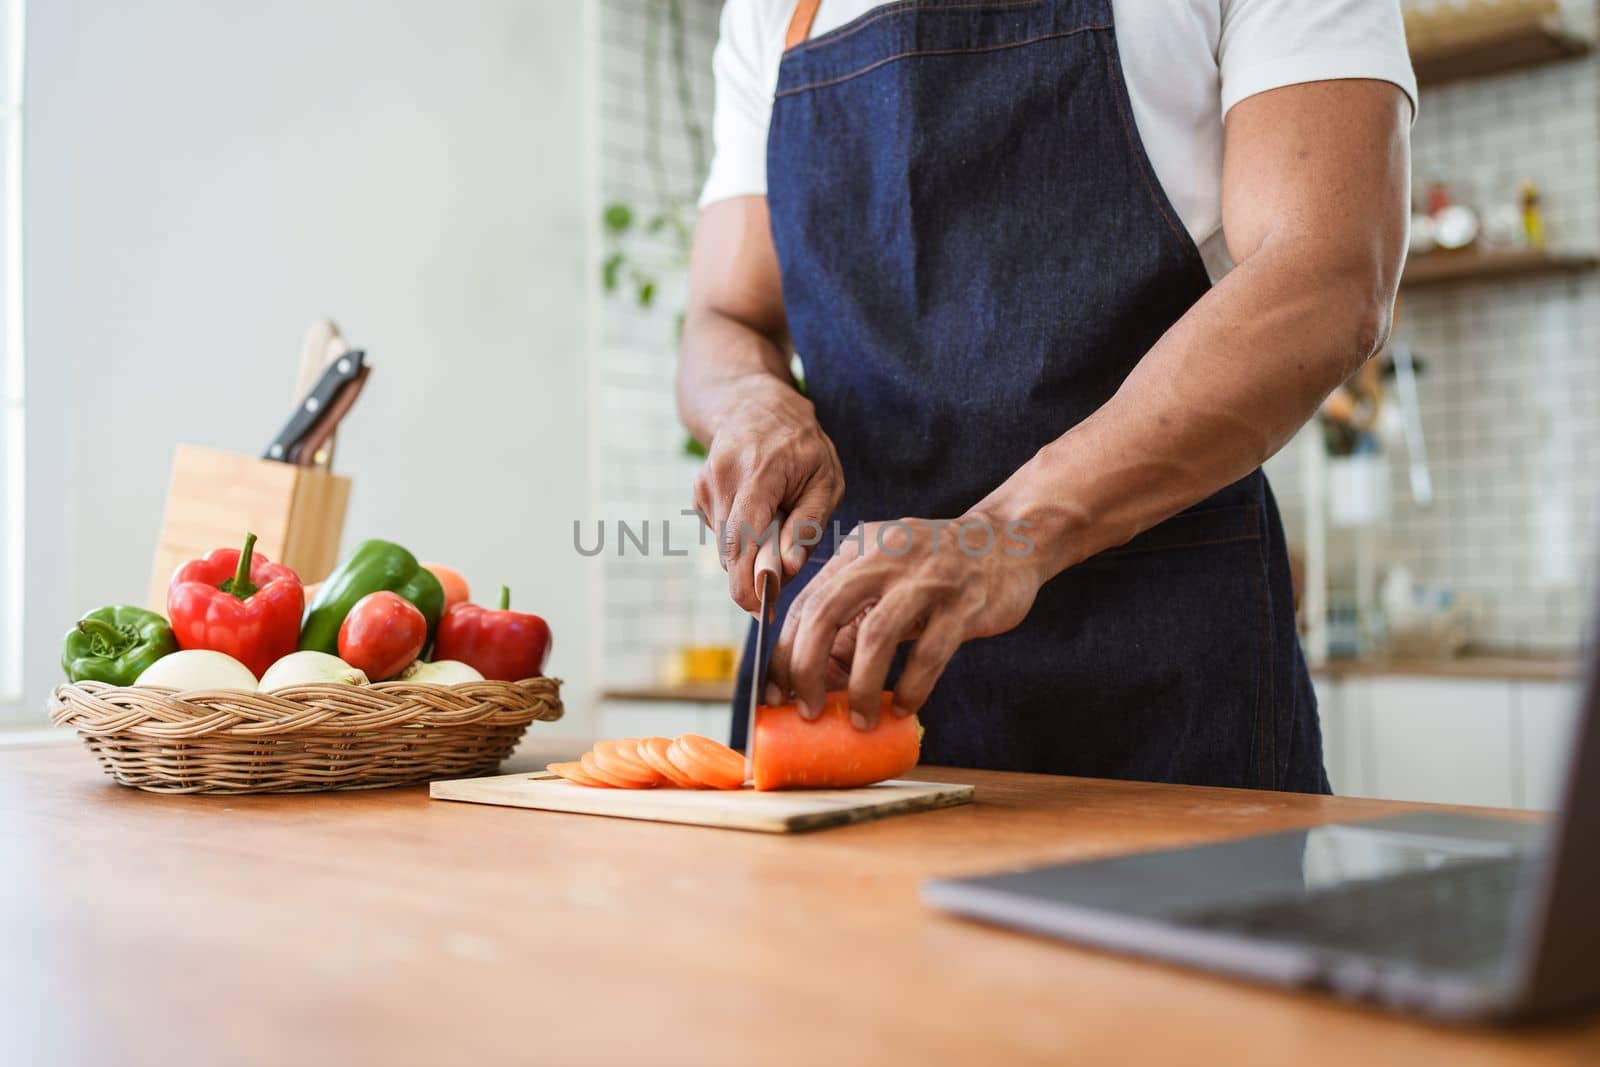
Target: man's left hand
x: 939, y: 582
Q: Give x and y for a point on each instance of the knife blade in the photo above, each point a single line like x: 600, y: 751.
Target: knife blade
x: 758, y: 674
x: 342, y: 370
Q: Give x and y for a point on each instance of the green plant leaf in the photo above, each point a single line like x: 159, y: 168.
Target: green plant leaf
x: 618, y: 217
x: 691, y: 447
x: 647, y: 292
x: 658, y: 223
x: 609, y: 271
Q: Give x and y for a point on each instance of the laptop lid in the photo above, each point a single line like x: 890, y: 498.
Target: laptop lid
x: 1564, y: 957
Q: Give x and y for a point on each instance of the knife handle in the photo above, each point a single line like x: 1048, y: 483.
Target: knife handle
x: 342, y: 370
x: 306, y: 451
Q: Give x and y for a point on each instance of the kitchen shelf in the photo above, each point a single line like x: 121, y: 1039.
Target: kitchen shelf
x: 682, y: 693
x: 1443, y: 268
x: 1446, y: 49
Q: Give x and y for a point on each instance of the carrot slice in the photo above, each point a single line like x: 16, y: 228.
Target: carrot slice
x: 633, y: 748
x: 829, y: 753
x: 653, y: 750
x: 620, y: 763
x: 704, y: 760
x: 594, y: 770
x: 573, y: 772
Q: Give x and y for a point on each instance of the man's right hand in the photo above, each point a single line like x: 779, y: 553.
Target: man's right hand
x: 770, y: 468
x: 768, y: 459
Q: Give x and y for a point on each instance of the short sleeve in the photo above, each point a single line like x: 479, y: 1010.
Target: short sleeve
x: 743, y: 104
x: 1267, y: 44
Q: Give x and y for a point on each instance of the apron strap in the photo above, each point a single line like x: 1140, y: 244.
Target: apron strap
x: 805, y: 12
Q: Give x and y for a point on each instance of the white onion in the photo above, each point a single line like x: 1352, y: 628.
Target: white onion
x: 198, y: 668
x: 443, y: 672
x: 310, y: 668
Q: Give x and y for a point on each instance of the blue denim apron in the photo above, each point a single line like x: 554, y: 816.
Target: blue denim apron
x: 975, y: 251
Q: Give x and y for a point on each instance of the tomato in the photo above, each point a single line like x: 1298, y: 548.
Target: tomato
x: 382, y: 635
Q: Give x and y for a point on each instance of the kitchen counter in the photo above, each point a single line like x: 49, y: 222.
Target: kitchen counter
x: 677, y: 693
x: 382, y: 927
x: 1472, y: 666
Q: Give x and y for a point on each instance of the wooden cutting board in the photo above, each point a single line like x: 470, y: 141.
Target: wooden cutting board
x: 744, y: 809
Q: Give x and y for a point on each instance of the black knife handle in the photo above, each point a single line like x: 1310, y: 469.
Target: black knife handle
x: 342, y: 370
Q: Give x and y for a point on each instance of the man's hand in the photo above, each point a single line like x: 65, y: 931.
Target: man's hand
x: 769, y: 464
x: 768, y: 458
x: 938, y: 582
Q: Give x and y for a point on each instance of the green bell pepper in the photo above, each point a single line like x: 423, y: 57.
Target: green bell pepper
x: 373, y: 566
x: 115, y: 645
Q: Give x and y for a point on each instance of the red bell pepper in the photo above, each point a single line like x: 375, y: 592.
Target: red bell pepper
x: 238, y: 603
x: 504, y: 645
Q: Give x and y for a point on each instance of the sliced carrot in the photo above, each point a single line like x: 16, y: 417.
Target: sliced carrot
x: 829, y: 753
x: 594, y: 770
x: 653, y: 750
x: 633, y: 748
x: 707, y: 762
x: 622, y: 763
x: 573, y: 772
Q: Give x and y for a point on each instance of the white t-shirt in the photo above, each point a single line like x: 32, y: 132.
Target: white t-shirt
x: 1186, y: 62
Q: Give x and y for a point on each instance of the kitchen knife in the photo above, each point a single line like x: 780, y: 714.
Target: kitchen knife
x: 312, y: 448
x: 758, y: 673
x: 341, y: 371
x: 323, y: 344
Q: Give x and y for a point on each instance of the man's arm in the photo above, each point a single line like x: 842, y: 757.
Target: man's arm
x: 1315, y: 194
x: 1315, y: 208
x: 767, y: 454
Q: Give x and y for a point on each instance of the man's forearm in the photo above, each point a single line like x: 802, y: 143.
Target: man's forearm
x: 722, y: 359
x: 1224, y: 389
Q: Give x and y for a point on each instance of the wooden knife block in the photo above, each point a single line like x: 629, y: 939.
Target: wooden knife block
x: 215, y: 498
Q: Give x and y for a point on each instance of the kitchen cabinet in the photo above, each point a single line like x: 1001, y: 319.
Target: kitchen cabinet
x: 1546, y: 717
x: 1444, y: 741
x: 1341, y: 741
x: 1496, y: 741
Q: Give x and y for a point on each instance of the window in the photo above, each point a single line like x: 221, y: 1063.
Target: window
x: 11, y: 375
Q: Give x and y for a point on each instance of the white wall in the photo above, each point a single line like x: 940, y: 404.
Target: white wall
x: 203, y: 179
x: 656, y: 604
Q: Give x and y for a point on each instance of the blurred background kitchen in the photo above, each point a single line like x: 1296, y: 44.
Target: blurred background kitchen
x: 495, y: 200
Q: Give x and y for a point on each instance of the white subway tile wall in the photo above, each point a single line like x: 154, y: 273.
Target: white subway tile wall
x: 1510, y: 394
x: 654, y: 603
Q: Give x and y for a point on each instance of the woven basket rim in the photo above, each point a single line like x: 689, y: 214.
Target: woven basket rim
x: 321, y: 708
x: 305, y: 738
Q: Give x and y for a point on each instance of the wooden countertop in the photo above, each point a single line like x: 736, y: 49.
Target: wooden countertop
x: 1475, y: 666
x: 382, y: 927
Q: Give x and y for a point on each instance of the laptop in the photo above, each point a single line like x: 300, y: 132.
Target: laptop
x: 1459, y: 917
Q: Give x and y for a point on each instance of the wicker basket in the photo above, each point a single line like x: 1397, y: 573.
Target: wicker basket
x: 304, y: 738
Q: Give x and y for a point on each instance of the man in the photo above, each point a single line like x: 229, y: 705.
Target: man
x: 1066, y: 271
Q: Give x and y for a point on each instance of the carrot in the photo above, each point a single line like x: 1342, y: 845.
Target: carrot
x: 573, y: 772
x: 653, y: 750
x: 707, y: 762
x: 613, y: 758
x: 829, y: 753
x: 595, y: 771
